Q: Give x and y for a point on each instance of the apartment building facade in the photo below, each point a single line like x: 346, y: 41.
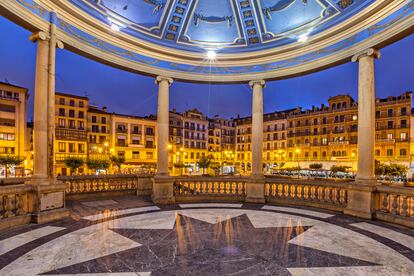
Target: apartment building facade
x: 13, y: 109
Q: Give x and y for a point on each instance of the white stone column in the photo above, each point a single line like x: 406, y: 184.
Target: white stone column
x: 361, y: 197
x: 163, y: 124
x: 53, y: 43
x: 257, y: 127
x: 366, y: 115
x: 40, y: 118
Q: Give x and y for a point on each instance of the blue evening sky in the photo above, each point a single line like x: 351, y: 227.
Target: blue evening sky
x: 128, y: 93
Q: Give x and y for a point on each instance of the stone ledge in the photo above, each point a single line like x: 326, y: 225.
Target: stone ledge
x: 6, y: 223
x: 47, y: 216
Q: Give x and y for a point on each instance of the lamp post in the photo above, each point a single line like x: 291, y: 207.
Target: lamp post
x: 297, y: 150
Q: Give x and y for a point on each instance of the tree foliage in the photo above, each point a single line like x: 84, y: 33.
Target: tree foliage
x: 315, y: 166
x: 338, y: 168
x: 117, y: 161
x: 10, y: 160
x: 204, y: 162
x: 390, y: 170
x: 98, y: 164
x: 73, y: 162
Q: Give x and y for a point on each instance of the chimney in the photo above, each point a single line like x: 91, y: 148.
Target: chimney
x: 104, y: 108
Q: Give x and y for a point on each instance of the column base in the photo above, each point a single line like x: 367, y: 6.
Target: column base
x: 361, y: 199
x: 47, y: 200
x: 163, y: 190
x: 255, y: 188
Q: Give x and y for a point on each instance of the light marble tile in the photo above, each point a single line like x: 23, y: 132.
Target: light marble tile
x: 21, y: 239
x: 212, y: 216
x: 198, y: 205
x: 100, y: 203
x: 298, y: 211
x: 345, y: 271
x: 157, y: 220
x: 79, y: 246
x: 338, y: 240
x: 261, y: 219
x: 109, y: 214
x: 387, y: 233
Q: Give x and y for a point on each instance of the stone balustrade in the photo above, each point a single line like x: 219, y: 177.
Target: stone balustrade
x: 103, y: 184
x: 207, y: 188
x: 331, y: 195
x: 396, y: 205
x: 14, y: 205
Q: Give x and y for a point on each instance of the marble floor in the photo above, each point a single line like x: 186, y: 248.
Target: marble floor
x: 125, y: 236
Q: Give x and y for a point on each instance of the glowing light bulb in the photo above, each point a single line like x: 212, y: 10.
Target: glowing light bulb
x: 211, y: 54
x: 303, y: 38
x: 114, y: 27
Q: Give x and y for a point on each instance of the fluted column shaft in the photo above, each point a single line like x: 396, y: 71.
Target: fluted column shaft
x: 257, y: 127
x: 163, y: 124
x: 366, y: 115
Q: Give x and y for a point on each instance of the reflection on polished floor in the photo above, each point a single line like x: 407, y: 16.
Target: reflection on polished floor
x: 126, y: 236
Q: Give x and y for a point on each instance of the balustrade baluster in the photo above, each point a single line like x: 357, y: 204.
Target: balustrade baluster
x: 338, y: 196
x: 384, y: 206
x: 404, y: 206
x: 295, y: 192
x: 316, y: 195
x: 302, y: 192
x: 20, y: 204
x: 7, y: 206
x: 394, y: 205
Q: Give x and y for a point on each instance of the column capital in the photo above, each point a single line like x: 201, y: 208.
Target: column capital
x: 39, y: 36
x: 367, y: 53
x: 163, y: 78
x: 262, y: 83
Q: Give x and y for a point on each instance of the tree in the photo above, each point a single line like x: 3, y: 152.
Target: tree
x: 10, y: 160
x: 117, y: 161
x: 204, y: 162
x: 73, y: 163
x: 335, y: 169
x: 315, y: 166
x: 97, y: 164
x: 390, y: 170
x: 216, y: 167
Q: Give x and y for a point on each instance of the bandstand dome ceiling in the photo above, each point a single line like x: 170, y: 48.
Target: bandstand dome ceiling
x: 249, y: 39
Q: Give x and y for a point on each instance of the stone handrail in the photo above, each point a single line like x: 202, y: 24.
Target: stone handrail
x: 14, y: 205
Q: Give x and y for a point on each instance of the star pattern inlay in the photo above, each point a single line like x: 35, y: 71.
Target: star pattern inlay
x: 229, y: 247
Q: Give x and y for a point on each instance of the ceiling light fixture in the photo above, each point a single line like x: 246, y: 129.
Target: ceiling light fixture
x: 115, y: 27
x: 211, y: 54
x: 303, y: 38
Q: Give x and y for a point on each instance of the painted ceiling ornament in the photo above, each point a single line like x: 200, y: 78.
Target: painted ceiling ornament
x: 212, y: 19
x: 345, y: 3
x: 158, y: 5
x: 279, y: 6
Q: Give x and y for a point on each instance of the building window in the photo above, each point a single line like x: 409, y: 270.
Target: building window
x: 72, y: 102
x: 403, y: 123
x: 103, y: 120
x: 71, y: 123
x: 7, y: 136
x: 81, y: 148
x: 390, y: 124
x: 390, y: 136
x: 377, y: 152
x: 62, y: 101
x: 149, y: 131
x: 80, y: 103
x: 403, y: 111
x: 403, y: 136
x: 95, y: 128
x: 103, y: 129
x: 403, y: 152
x: 71, y: 113
x: 61, y: 122
x: 121, y: 154
x: 324, y: 154
x: 135, y: 155
x: 81, y: 125
x: 80, y: 114
x: 62, y: 147
x: 377, y: 114
x: 315, y: 154
x: 93, y: 119
x: 390, y: 152
x: 121, y: 142
x: 71, y: 147
x: 390, y: 113
x: 61, y: 112
x: 150, y: 155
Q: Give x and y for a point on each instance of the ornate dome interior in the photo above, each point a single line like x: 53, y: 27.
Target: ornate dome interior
x: 218, y: 40
x: 228, y: 26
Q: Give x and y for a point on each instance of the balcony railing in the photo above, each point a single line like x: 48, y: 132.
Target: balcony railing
x: 15, y: 206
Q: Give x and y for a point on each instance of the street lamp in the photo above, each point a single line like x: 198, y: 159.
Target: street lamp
x: 297, y: 150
